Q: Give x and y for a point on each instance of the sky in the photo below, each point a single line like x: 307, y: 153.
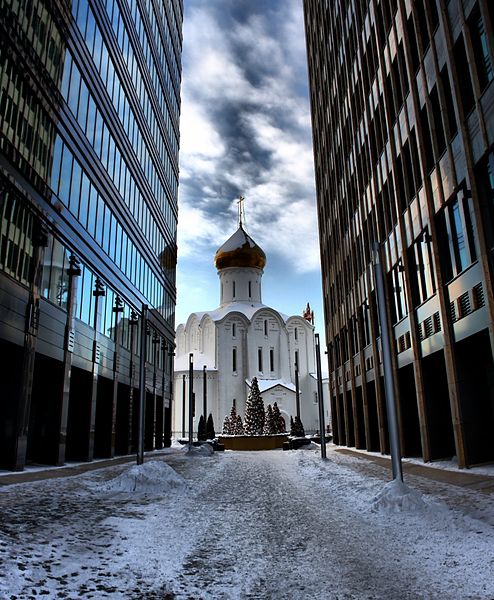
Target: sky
x: 246, y: 130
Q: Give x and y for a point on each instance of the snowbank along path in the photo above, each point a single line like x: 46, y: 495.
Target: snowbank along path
x: 258, y: 525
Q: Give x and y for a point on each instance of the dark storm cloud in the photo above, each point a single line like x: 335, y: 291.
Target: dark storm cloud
x: 245, y: 125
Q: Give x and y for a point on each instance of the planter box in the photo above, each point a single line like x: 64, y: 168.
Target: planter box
x: 253, y: 442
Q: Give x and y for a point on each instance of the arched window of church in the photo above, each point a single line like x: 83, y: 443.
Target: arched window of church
x: 265, y: 327
x: 234, y: 289
x: 234, y: 360
x: 234, y: 330
x: 296, y: 333
x: 250, y: 289
x: 259, y: 359
x: 271, y: 360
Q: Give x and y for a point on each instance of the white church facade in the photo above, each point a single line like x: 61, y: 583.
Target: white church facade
x: 242, y: 339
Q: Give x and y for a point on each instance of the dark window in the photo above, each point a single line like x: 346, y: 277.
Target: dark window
x: 271, y: 360
x: 265, y: 327
x: 448, y: 98
x: 461, y: 63
x: 438, y: 123
x: 234, y: 360
x: 259, y: 359
x: 480, y: 49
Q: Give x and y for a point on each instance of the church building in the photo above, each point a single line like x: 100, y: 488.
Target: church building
x: 242, y: 339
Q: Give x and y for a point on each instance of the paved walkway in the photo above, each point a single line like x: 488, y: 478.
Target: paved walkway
x: 461, y: 478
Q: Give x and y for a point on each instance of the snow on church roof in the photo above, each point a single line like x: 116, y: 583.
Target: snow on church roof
x: 267, y: 384
x: 245, y: 308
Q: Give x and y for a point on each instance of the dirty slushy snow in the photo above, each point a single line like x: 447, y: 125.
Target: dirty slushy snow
x: 245, y: 525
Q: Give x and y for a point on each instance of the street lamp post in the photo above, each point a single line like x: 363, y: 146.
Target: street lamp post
x: 191, y: 401
x: 394, y: 442
x: 297, y: 387
x: 142, y: 385
x: 320, y: 398
x: 183, y: 406
x: 204, y: 394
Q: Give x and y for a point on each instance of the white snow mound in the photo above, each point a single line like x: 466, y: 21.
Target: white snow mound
x: 396, y: 496
x: 152, y: 476
x: 202, y: 450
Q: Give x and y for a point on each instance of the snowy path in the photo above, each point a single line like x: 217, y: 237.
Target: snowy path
x: 260, y: 525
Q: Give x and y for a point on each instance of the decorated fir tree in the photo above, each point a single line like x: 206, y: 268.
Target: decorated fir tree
x: 201, y: 429
x: 210, y: 432
x: 239, y: 426
x: 270, y: 425
x: 254, y: 411
x: 227, y: 428
x: 279, y: 421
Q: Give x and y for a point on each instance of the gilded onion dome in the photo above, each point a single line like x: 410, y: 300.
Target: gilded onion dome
x: 239, y: 250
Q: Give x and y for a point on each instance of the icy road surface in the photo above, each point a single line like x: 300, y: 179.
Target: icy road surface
x: 264, y: 525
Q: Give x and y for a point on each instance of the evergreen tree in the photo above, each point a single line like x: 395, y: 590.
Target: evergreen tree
x: 239, y: 426
x: 296, y: 427
x: 210, y: 432
x: 254, y: 411
x: 270, y: 425
x: 279, y: 421
x: 201, y: 429
x: 227, y: 429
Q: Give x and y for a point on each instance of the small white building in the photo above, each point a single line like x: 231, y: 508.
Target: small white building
x: 242, y: 339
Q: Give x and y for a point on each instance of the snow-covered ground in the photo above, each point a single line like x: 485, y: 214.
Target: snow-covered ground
x: 264, y: 525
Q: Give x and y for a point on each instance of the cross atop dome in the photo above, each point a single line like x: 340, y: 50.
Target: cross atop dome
x: 241, y: 214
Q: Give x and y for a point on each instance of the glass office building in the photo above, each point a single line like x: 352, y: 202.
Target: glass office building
x: 89, y: 139
x: 402, y: 99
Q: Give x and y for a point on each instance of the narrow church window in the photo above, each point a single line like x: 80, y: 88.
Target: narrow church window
x: 296, y: 359
x: 234, y: 360
x: 250, y: 289
x: 271, y: 359
x: 265, y: 327
x: 296, y: 333
x: 234, y: 330
x: 234, y: 289
x: 259, y: 359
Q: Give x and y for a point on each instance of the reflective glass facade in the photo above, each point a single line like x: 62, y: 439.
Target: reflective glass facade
x: 402, y: 100
x: 89, y: 140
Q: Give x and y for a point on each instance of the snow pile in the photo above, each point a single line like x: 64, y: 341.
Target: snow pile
x: 152, y: 476
x: 396, y: 496
x: 202, y: 450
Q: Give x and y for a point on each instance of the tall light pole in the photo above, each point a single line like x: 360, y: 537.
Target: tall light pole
x: 322, y: 426
x: 394, y: 442
x: 205, y: 394
x: 297, y: 387
x: 191, y: 401
x: 142, y: 385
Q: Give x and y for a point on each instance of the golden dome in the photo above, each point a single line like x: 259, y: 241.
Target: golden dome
x: 239, y: 250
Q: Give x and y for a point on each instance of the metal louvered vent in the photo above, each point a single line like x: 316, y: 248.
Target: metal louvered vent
x: 452, y: 310
x: 465, y: 306
x: 428, y: 328
x: 437, y: 321
x: 478, y: 296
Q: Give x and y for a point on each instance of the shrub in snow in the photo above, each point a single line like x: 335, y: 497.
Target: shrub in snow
x: 210, y: 432
x: 152, y: 476
x: 279, y: 421
x: 254, y: 411
x: 270, y: 425
x: 396, y: 496
x: 296, y: 427
x: 201, y: 430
